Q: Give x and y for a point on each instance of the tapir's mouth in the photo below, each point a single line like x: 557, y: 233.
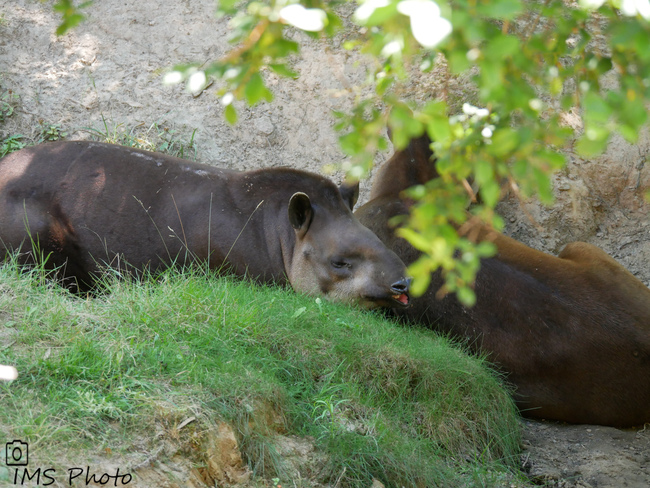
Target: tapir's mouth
x: 393, y: 301
x: 401, y: 300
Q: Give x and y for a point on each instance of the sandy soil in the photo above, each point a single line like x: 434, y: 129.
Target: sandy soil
x: 109, y: 69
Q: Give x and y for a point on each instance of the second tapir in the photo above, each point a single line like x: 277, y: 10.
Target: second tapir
x: 571, y: 332
x: 87, y: 206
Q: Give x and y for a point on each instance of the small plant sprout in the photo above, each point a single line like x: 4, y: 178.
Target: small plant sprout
x: 52, y: 132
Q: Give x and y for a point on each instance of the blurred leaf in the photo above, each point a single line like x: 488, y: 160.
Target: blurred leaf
x: 404, y: 126
x: 256, y: 91
x: 283, y: 70
x: 595, y: 146
x: 504, y: 141
x: 466, y: 296
x: 231, y: 114
x: 483, y: 171
x: 503, y: 46
x: 596, y: 109
x: 298, y: 312
x: 70, y: 15
x: 501, y: 9
x: 544, y: 187
x: 490, y: 192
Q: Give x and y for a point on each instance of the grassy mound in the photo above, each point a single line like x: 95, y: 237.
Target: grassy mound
x: 112, y: 373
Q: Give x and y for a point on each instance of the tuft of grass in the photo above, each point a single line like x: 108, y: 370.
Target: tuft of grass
x: 156, y: 137
x: 379, y: 400
x: 8, y: 103
x: 9, y: 143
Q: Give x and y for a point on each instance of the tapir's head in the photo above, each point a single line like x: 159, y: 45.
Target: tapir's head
x: 339, y: 258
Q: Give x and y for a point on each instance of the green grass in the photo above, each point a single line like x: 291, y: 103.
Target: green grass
x: 379, y: 400
x: 156, y: 137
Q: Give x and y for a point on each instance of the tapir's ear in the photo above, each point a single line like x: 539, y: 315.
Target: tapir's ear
x: 349, y: 193
x: 300, y: 212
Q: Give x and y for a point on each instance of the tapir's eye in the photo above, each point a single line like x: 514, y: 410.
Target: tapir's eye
x: 340, y: 264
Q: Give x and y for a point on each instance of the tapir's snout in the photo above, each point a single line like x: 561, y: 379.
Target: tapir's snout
x: 400, y: 291
x: 401, y: 286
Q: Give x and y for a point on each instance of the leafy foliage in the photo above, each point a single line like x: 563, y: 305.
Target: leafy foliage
x: 531, y: 62
x: 71, y: 14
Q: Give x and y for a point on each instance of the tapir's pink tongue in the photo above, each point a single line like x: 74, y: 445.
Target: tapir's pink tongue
x: 403, y: 298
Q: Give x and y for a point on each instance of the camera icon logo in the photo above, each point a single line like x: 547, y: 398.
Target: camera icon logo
x: 17, y: 453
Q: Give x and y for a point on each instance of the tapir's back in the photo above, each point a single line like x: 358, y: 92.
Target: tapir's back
x: 86, y: 202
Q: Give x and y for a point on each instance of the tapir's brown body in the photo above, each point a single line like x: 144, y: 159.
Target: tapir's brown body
x: 90, y: 205
x: 571, y: 332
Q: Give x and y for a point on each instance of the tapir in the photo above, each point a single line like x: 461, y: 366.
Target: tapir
x: 86, y: 206
x: 571, y: 333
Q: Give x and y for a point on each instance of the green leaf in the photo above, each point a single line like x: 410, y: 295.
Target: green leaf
x: 281, y: 48
x: 404, y: 126
x: 458, y: 62
x: 231, y: 114
x: 256, y: 91
x: 554, y: 159
x: 544, y: 188
x: 503, y: 46
x: 504, y: 141
x: 417, y: 240
x: 299, y: 312
x: 596, y: 109
x: 633, y: 113
x: 631, y: 134
x: 483, y: 171
x: 466, y: 296
x: 590, y: 147
x: 283, y: 70
x: 421, y: 273
x: 490, y: 193
x: 226, y: 7
x: 382, y: 15
x: 384, y: 84
x: 486, y: 249
x: 500, y: 9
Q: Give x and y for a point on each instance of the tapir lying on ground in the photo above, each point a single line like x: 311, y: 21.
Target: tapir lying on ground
x: 572, y: 332
x: 87, y: 206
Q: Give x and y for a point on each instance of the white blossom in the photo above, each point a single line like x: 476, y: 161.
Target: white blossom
x: 633, y: 7
x: 307, y: 19
x: 227, y: 99
x: 427, y: 25
x: 8, y: 373
x: 197, y: 82
x: 591, y: 4
x: 173, y: 77
x: 391, y: 48
x: 367, y: 8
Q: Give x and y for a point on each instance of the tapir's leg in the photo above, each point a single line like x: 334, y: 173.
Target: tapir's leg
x: 40, y: 234
x: 596, y: 261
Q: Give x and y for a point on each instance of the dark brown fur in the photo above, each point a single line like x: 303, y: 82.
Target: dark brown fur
x: 571, y: 332
x: 90, y: 205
